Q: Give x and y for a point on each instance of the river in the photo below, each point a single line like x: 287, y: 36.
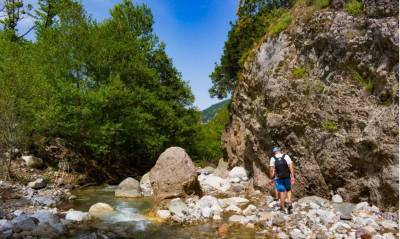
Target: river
x: 130, y: 220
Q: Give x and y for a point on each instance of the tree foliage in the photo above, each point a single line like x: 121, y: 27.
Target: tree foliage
x: 207, y: 144
x: 108, y: 88
x: 254, y: 20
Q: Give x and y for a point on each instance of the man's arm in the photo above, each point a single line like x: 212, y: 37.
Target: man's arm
x: 291, y: 168
x: 271, y: 171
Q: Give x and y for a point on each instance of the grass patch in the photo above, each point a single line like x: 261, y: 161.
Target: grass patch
x: 299, y: 72
x: 321, y: 3
x: 319, y: 87
x: 329, y: 125
x: 368, y: 84
x: 354, y: 7
x: 281, y: 24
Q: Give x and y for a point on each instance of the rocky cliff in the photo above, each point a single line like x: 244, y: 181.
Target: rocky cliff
x: 326, y: 90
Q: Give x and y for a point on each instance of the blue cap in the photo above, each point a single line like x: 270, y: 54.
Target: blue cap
x: 275, y: 149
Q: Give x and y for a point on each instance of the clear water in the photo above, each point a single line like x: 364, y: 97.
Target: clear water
x: 130, y: 221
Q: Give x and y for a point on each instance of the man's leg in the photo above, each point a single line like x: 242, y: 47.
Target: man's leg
x: 282, y: 197
x: 289, y: 196
x: 288, y: 187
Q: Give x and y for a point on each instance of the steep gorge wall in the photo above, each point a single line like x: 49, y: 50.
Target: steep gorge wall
x: 338, y: 120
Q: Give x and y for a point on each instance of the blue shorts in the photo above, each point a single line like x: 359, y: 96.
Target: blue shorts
x: 283, y: 184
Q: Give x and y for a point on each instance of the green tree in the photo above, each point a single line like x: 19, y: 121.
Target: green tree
x: 109, y: 88
x: 207, y: 144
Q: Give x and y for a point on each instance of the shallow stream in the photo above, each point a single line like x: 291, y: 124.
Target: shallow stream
x: 130, y: 221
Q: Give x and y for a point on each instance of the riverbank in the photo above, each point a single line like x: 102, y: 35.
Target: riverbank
x: 229, y: 208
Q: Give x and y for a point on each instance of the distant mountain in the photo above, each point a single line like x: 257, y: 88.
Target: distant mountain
x: 209, y: 113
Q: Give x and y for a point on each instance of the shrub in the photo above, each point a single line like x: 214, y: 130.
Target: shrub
x: 354, y: 7
x: 329, y: 125
x: 281, y: 24
x: 322, y: 3
x: 299, y: 72
x: 368, y: 84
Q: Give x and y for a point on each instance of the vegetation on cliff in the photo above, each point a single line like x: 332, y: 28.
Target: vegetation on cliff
x: 255, y: 19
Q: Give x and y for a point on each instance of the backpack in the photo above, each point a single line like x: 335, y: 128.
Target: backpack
x: 281, y: 167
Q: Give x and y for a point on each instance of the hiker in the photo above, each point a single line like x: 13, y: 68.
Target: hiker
x: 281, y: 170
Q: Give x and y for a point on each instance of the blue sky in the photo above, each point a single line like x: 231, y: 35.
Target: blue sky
x: 194, y: 31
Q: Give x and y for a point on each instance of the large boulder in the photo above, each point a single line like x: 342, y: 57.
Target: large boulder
x: 145, y: 185
x: 32, y: 161
x: 174, y: 175
x: 100, y: 209
x: 129, y: 188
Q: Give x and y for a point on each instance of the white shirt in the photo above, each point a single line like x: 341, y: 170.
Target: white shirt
x: 287, y: 158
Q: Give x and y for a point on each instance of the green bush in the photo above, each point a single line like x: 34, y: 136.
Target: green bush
x: 281, y: 24
x: 321, y: 3
x: 354, y: 7
x: 329, y: 125
x: 299, y: 72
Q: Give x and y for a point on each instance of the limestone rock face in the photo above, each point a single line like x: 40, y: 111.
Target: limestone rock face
x: 381, y: 8
x: 338, y: 120
x: 129, y: 187
x: 174, y: 175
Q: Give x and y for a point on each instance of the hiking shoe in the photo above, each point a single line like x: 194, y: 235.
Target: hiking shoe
x: 289, y: 208
x: 282, y: 210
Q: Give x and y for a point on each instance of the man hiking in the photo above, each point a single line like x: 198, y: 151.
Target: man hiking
x: 281, y: 170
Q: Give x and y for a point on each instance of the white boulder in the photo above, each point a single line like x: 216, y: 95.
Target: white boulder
x: 238, y: 172
x: 129, y: 188
x: 100, y: 209
x: 78, y: 216
x: 214, y: 182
